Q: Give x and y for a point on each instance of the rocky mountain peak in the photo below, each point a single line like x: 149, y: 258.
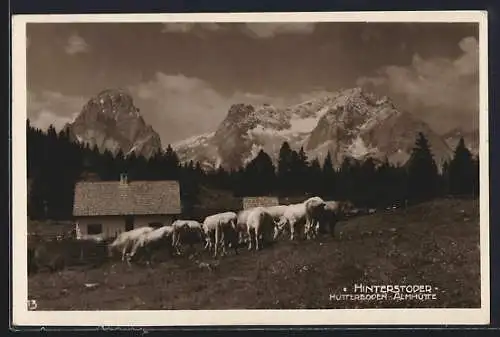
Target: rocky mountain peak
x: 111, y: 121
x: 111, y: 104
x: 239, y: 111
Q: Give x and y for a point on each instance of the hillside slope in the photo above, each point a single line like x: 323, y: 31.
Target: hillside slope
x: 436, y: 243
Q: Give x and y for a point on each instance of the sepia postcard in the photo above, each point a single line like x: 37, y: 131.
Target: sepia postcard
x: 250, y: 169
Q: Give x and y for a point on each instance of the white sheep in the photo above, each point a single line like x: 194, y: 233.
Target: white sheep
x: 276, y: 211
x: 294, y: 216
x: 220, y: 229
x: 149, y: 241
x: 126, y: 240
x: 241, y: 224
x: 259, y: 223
x: 186, y: 231
x: 314, y: 209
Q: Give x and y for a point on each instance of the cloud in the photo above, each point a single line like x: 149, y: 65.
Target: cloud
x: 444, y: 85
x: 179, y: 106
x: 46, y: 117
x: 75, y: 45
x: 49, y: 107
x: 270, y: 29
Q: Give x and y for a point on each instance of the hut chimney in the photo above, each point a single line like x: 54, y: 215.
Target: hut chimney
x: 123, y: 178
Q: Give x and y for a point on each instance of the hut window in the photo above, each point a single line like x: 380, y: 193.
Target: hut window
x: 93, y: 229
x: 129, y: 223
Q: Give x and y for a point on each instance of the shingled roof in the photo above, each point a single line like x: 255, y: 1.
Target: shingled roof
x: 129, y: 198
x: 250, y: 202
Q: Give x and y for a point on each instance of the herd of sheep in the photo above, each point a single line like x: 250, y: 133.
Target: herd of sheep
x: 229, y: 229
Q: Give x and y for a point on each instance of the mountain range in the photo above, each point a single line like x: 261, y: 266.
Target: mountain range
x: 348, y: 123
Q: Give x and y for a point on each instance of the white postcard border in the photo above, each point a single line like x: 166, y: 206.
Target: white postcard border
x: 20, y: 314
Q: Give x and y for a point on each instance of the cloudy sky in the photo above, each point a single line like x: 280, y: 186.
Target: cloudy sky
x: 184, y: 76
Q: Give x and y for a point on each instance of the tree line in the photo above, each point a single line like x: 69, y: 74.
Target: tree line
x: 365, y: 182
x: 55, y: 164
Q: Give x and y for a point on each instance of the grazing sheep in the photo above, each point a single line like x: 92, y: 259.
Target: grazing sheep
x: 306, y: 214
x: 187, y: 231
x: 331, y: 215
x: 314, y: 207
x: 334, y: 211
x: 259, y: 223
x: 153, y: 240
x: 276, y: 211
x: 126, y: 240
x: 241, y: 224
x: 220, y: 229
x: 294, y: 216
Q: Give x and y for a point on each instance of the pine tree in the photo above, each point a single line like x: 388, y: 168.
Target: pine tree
x: 400, y: 181
x: 260, y: 175
x: 294, y: 179
x: 315, y: 175
x: 328, y: 174
x: 285, y: 162
x: 120, y: 165
x: 445, y: 178
x: 171, y: 162
x: 366, y: 183
x: 300, y: 172
x: 198, y: 169
x: 383, y: 186
x: 107, y: 161
x: 302, y: 156
x: 131, y: 164
x: 356, y: 191
x: 461, y: 171
x: 345, y: 180
x: 422, y: 171
x: 238, y: 182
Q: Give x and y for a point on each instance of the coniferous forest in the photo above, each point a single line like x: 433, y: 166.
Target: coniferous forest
x: 55, y: 164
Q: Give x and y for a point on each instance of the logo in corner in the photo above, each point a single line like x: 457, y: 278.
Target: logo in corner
x: 32, y: 305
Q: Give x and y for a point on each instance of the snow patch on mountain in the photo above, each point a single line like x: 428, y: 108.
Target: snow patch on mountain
x: 358, y: 149
x: 218, y: 162
x: 254, y: 151
x: 303, y: 125
x: 193, y: 141
x: 261, y: 131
